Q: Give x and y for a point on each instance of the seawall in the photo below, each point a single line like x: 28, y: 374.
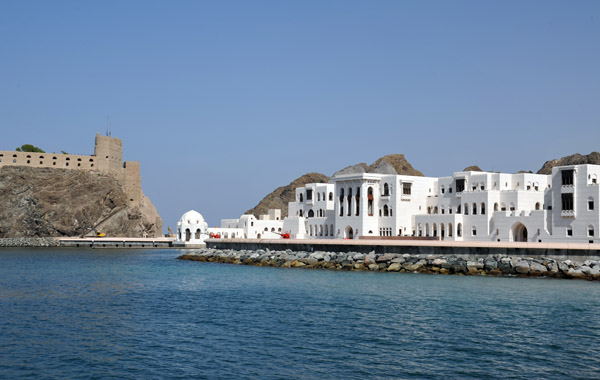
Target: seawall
x: 573, y: 251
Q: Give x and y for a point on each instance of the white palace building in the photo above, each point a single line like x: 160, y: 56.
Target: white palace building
x: 468, y: 206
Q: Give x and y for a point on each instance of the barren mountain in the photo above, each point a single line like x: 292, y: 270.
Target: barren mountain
x: 574, y: 159
x: 280, y: 197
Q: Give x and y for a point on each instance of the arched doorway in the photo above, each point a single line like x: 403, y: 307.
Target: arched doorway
x: 349, y: 232
x: 519, y: 232
x: 188, y: 234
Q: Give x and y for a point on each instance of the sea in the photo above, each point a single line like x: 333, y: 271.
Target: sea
x: 142, y: 314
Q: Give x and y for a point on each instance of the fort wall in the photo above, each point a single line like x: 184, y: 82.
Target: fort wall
x: 107, y: 158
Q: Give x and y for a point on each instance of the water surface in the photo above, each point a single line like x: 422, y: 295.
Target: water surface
x: 141, y: 314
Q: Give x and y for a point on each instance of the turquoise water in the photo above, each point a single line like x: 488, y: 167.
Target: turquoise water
x: 135, y: 314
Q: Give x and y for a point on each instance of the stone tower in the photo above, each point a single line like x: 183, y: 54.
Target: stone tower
x: 109, y: 150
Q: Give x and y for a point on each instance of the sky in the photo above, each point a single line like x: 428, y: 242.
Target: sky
x: 224, y: 101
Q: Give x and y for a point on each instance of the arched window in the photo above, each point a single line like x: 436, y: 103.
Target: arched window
x: 197, y: 234
x: 435, y: 210
x: 272, y: 229
x: 474, y: 231
x: 474, y: 208
x: 458, y: 209
x: 300, y: 212
x: 590, y: 231
x: 321, y: 230
x: 512, y: 206
x: 326, y: 230
x: 301, y: 198
x: 349, y: 201
x: 341, y: 205
x: 386, y: 211
x: 482, y: 208
x: 502, y: 206
x: 429, y: 209
x: 331, y: 196
x: 311, y: 213
x: 426, y: 229
x: 310, y: 227
x: 318, y: 197
x: 420, y: 229
x: 590, y: 203
x: 449, y: 229
x: 391, y: 212
x: 496, y: 206
x: 370, y: 201
x: 459, y: 230
x: 188, y: 234
x: 386, y: 189
x: 357, y: 199
x: 537, y: 205
x: 434, y: 230
x: 466, y: 209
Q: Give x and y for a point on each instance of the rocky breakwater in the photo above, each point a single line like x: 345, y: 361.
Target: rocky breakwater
x: 498, y: 265
x: 29, y: 242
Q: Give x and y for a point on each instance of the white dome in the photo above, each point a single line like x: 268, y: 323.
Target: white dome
x: 192, y: 217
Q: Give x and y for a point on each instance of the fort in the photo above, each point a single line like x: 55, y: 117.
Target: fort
x: 107, y: 158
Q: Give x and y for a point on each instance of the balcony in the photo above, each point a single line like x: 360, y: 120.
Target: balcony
x: 567, y: 213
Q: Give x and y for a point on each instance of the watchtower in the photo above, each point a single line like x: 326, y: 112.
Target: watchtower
x: 109, y: 151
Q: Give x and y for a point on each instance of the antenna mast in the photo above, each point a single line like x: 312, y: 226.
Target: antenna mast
x: 108, y: 125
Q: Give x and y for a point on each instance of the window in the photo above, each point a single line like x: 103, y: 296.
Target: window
x: 474, y: 208
x: 482, y: 208
x: 458, y: 209
x: 590, y: 203
x: 443, y: 190
x: 386, y: 190
x: 537, y: 205
x: 386, y: 211
x: 567, y: 176
x: 331, y: 196
x: 460, y: 185
x: 474, y: 231
x: 569, y: 231
x: 466, y: 209
x: 590, y: 231
x: 459, y: 230
x: 567, y: 201
x: 449, y: 190
x: 318, y: 197
x: 308, y: 194
x: 482, y: 187
x: 370, y: 201
x: 301, y: 198
x: 406, y: 188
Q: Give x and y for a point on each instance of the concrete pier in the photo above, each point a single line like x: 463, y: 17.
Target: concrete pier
x: 116, y: 242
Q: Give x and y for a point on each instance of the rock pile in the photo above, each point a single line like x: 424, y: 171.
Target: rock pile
x: 29, y: 242
x: 500, y: 265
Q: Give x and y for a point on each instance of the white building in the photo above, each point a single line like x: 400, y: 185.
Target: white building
x: 468, y: 206
x: 192, y: 230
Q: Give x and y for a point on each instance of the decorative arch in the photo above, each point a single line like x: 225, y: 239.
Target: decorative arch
x: 518, y: 232
x: 349, y: 233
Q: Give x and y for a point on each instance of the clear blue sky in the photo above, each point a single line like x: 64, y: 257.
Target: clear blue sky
x: 224, y: 101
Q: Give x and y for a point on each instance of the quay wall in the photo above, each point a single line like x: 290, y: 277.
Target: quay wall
x: 576, y: 252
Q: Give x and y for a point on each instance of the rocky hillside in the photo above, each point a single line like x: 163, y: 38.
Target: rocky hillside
x: 41, y: 202
x: 574, y: 159
x: 280, y: 198
x: 390, y: 164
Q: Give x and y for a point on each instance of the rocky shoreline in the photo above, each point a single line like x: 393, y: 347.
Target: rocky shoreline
x: 29, y: 242
x: 497, y: 265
